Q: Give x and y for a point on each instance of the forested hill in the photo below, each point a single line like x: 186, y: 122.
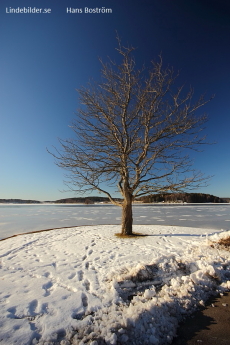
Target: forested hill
x: 86, y: 200
x: 183, y: 197
x: 80, y: 200
x: 18, y: 201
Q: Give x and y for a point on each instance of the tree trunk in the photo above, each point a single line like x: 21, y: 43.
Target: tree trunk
x: 127, y: 218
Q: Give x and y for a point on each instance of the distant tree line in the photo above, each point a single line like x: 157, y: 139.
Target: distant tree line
x: 80, y: 200
x: 181, y: 197
x: 19, y: 201
x: 163, y: 197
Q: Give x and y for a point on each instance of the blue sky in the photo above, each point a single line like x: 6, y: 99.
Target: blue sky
x: 45, y: 57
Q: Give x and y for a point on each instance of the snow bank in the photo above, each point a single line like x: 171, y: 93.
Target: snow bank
x: 86, y: 286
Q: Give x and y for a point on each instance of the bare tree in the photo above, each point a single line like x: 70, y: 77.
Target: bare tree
x: 133, y: 131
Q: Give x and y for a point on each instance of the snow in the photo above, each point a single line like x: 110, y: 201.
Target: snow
x: 84, y: 285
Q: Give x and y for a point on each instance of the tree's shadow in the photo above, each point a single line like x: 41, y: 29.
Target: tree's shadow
x: 135, y: 234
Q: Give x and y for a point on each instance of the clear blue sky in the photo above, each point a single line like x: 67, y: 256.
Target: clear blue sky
x: 45, y: 57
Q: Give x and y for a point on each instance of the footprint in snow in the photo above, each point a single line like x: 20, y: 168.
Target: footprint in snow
x: 47, y: 287
x: 44, y: 308
x: 87, y: 284
x: 12, y: 311
x: 80, y: 275
x: 84, y: 300
x: 32, y: 307
x: 72, y: 275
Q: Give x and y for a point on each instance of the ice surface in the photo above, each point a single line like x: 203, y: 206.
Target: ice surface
x: 16, y: 219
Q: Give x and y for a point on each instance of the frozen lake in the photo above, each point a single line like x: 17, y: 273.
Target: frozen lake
x: 15, y: 219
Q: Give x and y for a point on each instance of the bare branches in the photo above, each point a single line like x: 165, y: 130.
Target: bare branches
x: 134, y: 131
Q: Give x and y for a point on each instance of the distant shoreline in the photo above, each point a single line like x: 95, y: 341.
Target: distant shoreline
x: 165, y: 198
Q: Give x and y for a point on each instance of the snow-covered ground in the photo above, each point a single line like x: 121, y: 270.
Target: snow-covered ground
x: 84, y: 285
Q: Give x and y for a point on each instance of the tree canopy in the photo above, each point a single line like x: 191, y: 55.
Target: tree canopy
x: 133, y: 132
